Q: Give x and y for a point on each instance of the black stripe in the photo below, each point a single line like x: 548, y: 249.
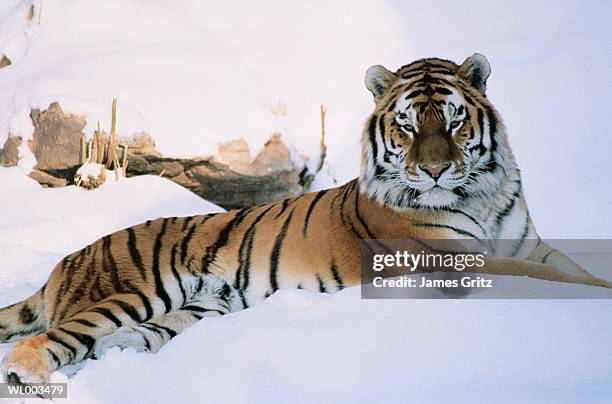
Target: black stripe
x: 170, y: 331
x: 276, y: 250
x: 381, y: 129
x: 345, y: 219
x: 151, y: 328
x: 195, y: 308
x: 71, y: 271
x: 185, y: 244
x: 96, y: 293
x: 176, y: 274
x: 186, y: 223
x: 345, y: 193
x: 108, y: 263
x: 546, y: 256
x: 443, y: 90
x: 360, y: 218
x: 160, y: 291
x: 199, y: 286
x: 523, y: 235
x: 54, y: 357
x: 480, y: 118
x: 128, y: 309
x: 314, y: 202
x: 211, y: 251
x: 245, y: 304
x: 372, y: 135
x: 25, y: 314
x: 84, y: 322
x: 466, y: 215
x: 201, y: 309
x: 108, y: 314
x: 136, y: 258
x: 322, y: 288
x: 409, y: 75
x: 380, y: 172
x: 23, y: 333
x: 492, y: 127
x: 283, y: 208
x: 146, y: 303
x: 52, y: 337
x: 441, y: 70
x: 413, y: 94
x: 146, y: 340
x: 224, y: 292
x: 469, y: 100
x: 207, y: 218
x: 336, y: 275
x: 188, y: 237
x: 445, y: 226
x: 244, y: 253
x: 79, y: 290
x: 86, y: 340
x: 507, y: 209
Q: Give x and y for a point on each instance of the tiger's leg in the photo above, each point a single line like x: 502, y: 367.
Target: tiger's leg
x: 73, y: 340
x: 212, y: 297
x: 548, y: 255
x: 536, y: 270
x: 152, y: 335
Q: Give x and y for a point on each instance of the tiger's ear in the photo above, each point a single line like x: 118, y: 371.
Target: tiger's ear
x: 378, y: 80
x: 476, y: 70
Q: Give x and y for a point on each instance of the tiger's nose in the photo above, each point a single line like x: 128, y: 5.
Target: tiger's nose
x: 434, y: 170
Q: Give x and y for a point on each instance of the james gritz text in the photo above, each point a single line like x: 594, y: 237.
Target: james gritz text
x: 409, y: 282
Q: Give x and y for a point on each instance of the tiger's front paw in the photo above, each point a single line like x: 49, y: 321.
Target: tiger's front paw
x: 124, y: 337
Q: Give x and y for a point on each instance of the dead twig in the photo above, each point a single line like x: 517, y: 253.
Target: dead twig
x: 322, y: 145
x: 124, y: 164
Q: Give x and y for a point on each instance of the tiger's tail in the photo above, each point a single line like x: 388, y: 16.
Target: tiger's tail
x: 24, y: 319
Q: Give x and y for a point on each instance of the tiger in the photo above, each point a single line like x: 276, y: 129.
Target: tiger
x: 435, y: 164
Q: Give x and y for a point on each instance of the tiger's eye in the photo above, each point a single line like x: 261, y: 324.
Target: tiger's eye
x: 455, y: 124
x: 408, y: 129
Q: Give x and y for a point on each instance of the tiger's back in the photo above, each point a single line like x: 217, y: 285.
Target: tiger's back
x: 254, y: 250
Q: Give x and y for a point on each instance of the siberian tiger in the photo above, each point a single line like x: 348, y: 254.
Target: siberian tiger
x: 435, y: 164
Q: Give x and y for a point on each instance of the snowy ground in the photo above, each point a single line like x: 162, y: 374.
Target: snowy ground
x: 304, y: 347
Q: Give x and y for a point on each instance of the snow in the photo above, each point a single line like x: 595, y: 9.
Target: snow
x: 14, y: 28
x: 62, y: 220
x: 341, y: 349
x: 195, y: 73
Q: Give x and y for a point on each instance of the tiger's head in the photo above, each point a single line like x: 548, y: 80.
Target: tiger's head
x: 433, y: 140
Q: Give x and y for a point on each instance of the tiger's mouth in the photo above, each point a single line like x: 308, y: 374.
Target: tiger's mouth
x: 425, y: 182
x: 437, y: 197
x: 440, y: 192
